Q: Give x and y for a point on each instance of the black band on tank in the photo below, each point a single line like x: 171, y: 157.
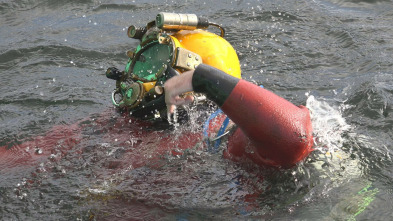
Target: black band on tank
x: 216, y: 84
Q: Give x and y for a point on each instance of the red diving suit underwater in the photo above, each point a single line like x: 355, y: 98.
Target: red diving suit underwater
x: 269, y: 129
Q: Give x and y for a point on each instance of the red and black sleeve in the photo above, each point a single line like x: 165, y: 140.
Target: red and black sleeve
x: 279, y: 131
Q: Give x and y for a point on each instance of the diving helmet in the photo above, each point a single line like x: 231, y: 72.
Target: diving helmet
x: 169, y: 45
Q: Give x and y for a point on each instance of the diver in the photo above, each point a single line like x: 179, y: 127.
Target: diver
x: 178, y: 62
x: 271, y: 130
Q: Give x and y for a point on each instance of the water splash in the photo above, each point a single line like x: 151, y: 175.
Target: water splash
x: 172, y: 118
x: 328, y: 166
x: 328, y: 124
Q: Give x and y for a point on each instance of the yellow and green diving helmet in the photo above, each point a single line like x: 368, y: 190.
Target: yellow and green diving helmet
x: 170, y: 45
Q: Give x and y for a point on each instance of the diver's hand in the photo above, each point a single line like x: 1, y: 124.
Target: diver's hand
x: 175, y: 87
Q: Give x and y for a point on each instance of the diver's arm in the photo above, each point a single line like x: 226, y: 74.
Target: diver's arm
x: 279, y: 132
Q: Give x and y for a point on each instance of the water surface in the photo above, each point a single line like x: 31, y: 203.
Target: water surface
x: 334, y: 56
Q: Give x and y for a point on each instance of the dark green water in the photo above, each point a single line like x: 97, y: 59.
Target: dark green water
x: 335, y: 56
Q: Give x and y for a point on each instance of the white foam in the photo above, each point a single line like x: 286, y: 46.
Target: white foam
x: 328, y: 125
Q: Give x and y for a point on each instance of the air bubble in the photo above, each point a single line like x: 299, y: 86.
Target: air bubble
x: 38, y: 151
